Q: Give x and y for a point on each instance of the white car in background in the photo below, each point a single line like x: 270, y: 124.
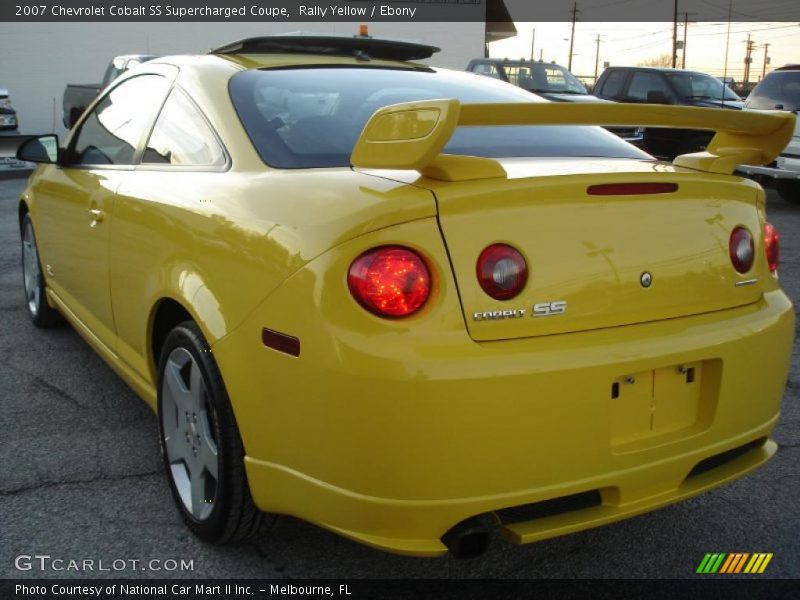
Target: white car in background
x: 780, y: 90
x: 8, y: 116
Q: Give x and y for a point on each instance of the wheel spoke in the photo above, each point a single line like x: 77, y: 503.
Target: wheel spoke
x: 183, y: 483
x: 177, y: 447
x: 175, y: 388
x: 196, y: 387
x: 207, y: 453
x: 198, y: 500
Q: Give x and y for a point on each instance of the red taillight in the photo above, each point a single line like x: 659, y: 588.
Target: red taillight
x: 390, y: 281
x: 771, y: 246
x: 501, y: 271
x: 742, y: 249
x: 630, y: 189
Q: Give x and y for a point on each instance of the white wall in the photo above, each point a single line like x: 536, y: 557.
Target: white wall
x: 37, y: 60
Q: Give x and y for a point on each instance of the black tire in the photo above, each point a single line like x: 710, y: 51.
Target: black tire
x: 41, y: 313
x: 226, y: 512
x: 789, y: 190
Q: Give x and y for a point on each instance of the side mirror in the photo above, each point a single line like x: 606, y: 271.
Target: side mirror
x: 657, y: 97
x: 41, y: 149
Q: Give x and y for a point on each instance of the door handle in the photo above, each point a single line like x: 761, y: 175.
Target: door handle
x: 97, y: 216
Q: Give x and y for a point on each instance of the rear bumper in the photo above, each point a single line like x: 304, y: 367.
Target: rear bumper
x: 392, y: 444
x: 414, y: 528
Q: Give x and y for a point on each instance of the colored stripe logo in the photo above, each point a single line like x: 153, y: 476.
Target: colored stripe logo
x: 733, y: 563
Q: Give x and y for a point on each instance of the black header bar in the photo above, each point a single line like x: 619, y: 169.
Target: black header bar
x: 444, y: 11
x: 732, y: 588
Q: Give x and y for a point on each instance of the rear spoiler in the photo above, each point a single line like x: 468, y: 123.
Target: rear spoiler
x: 412, y: 135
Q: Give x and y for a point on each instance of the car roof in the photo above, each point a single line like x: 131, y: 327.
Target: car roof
x: 517, y: 61
x: 788, y: 68
x: 657, y: 69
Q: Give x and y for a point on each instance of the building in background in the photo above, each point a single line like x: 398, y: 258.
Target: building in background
x: 40, y: 58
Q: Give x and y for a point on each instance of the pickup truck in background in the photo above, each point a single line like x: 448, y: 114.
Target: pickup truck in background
x: 661, y: 85
x: 77, y: 96
x: 780, y: 90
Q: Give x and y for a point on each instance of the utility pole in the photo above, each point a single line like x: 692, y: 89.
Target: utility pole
x: 675, y: 34
x: 596, y: 56
x: 748, y: 59
x: 727, y: 45
x: 533, y: 37
x: 766, y: 60
x: 685, y: 30
x: 575, y: 12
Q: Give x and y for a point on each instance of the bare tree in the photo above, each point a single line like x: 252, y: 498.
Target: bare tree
x: 663, y: 60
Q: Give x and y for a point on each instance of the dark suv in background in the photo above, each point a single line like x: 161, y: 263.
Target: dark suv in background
x: 652, y: 85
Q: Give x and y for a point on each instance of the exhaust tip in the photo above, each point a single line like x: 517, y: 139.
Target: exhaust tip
x: 467, y: 539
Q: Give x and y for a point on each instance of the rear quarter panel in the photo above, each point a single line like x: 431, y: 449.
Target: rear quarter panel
x: 219, y: 243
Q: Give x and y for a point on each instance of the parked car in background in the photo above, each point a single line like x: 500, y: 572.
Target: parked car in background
x: 549, y: 80
x: 8, y: 116
x: 77, y: 96
x: 410, y: 304
x: 655, y: 85
x: 780, y: 90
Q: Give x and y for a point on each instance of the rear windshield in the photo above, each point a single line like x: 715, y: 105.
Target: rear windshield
x: 780, y: 89
x: 312, y: 117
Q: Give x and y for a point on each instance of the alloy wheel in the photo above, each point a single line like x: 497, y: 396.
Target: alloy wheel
x: 189, y: 441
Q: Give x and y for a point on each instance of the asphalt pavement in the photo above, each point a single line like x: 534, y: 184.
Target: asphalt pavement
x: 81, y: 479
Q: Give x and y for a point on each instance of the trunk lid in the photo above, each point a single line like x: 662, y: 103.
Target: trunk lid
x: 590, y: 251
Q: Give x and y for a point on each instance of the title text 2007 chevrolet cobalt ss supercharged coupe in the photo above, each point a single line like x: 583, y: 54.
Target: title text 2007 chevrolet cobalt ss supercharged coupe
x: 408, y: 304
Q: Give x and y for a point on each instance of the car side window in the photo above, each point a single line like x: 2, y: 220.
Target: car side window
x: 612, y: 87
x: 487, y: 69
x: 181, y: 136
x: 642, y: 83
x: 111, y: 133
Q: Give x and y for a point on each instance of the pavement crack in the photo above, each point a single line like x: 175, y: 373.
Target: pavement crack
x: 37, y: 381
x: 55, y: 484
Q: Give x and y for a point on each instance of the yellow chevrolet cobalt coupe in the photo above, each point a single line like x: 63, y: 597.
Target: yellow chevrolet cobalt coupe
x: 412, y: 305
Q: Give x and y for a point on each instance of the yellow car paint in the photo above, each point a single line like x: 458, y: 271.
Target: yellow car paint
x: 395, y: 139
x: 392, y: 431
